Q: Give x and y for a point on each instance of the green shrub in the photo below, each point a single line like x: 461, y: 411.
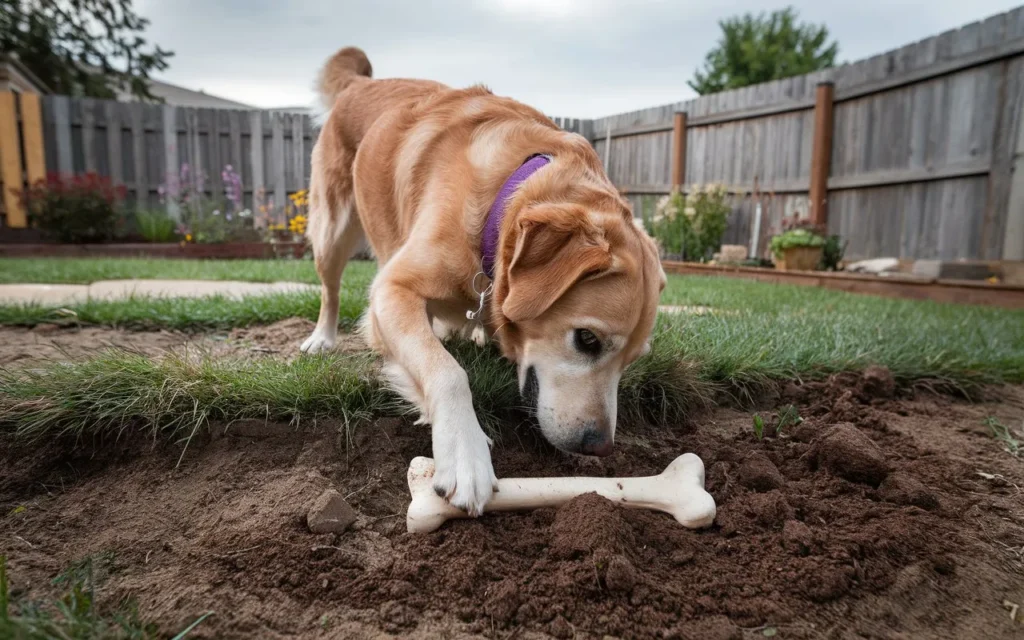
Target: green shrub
x: 832, y: 254
x: 690, y: 226
x: 75, y: 209
x: 155, y: 225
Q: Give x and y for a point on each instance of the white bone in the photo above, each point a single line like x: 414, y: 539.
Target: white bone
x: 679, y: 491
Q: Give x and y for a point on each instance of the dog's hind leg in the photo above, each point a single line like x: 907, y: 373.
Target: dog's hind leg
x: 335, y: 234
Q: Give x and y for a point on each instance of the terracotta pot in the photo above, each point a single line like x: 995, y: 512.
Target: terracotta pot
x: 799, y: 259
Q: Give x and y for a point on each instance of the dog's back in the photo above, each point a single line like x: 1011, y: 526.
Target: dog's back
x: 352, y: 100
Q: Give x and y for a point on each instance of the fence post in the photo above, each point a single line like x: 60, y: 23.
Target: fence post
x: 821, y: 157
x: 1013, y: 239
x: 171, y: 159
x: 10, y: 161
x: 678, y: 150
x: 32, y: 137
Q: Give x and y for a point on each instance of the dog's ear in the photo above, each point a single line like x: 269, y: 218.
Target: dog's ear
x: 555, y: 248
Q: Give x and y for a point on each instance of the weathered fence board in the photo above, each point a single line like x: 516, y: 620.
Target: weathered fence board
x: 922, y: 151
x: 924, y: 160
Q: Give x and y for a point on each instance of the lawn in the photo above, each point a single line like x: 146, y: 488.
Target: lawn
x: 755, y: 334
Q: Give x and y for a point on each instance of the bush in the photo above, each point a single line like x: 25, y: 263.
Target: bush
x: 75, y: 209
x: 833, y: 253
x: 155, y: 225
x: 690, y: 226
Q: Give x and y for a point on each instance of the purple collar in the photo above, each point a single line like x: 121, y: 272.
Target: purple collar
x: 492, y: 228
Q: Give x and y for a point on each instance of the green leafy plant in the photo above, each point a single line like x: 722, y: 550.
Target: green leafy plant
x: 832, y: 253
x: 758, y: 426
x: 795, y: 238
x: 788, y: 417
x: 689, y: 226
x: 75, y: 209
x: 155, y: 225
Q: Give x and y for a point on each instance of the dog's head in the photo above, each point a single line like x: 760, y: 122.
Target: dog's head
x: 577, y: 295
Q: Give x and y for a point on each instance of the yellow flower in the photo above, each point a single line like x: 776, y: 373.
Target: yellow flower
x: 188, y: 237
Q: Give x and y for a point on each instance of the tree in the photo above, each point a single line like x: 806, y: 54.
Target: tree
x: 762, y: 48
x: 82, y: 47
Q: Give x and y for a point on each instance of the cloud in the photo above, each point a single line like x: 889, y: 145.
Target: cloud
x: 579, y: 58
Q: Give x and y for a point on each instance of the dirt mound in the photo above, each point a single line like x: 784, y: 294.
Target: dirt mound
x: 811, y: 539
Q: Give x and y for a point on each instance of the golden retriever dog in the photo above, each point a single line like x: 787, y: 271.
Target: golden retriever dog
x: 473, y: 202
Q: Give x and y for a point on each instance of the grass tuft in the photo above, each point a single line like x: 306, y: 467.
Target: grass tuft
x: 178, y: 396
x: 76, y: 614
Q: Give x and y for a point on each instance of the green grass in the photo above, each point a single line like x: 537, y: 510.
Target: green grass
x: 1004, y: 435
x: 86, y: 270
x: 76, y: 614
x: 176, y: 397
x: 184, y: 314
x: 756, y: 335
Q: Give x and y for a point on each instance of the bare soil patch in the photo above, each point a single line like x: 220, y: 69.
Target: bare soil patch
x: 884, y: 514
x: 20, y: 346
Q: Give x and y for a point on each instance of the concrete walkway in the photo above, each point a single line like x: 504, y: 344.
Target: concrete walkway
x: 51, y: 294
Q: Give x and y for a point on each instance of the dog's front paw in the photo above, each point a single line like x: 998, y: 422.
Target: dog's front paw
x: 464, y: 474
x: 319, y: 342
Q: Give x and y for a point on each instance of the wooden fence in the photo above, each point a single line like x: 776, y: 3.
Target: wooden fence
x: 908, y: 154
x: 21, y: 151
x: 150, y: 148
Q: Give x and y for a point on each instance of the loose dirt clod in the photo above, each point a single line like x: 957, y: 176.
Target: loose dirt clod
x: 330, y: 513
x: 904, y: 489
x: 878, y: 382
x: 847, y: 452
x: 621, y: 575
x: 760, y: 473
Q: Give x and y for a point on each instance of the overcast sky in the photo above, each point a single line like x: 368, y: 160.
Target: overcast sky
x: 579, y: 58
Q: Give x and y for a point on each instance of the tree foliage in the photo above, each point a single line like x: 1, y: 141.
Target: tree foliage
x: 762, y: 48
x: 82, y: 47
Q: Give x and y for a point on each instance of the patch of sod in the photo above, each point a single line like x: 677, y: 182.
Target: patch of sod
x: 177, y: 396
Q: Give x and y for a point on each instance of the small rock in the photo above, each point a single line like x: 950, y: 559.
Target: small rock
x: 330, y: 513
x: 759, y: 473
x: 621, y: 575
x: 904, y: 489
x: 560, y: 628
x: 804, y: 432
x: 845, y: 451
x: 797, y: 537
x: 878, y: 382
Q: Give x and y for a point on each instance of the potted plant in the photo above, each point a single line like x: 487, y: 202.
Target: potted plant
x: 799, y: 247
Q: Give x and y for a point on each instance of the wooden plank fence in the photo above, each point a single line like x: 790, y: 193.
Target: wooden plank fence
x: 150, y: 148
x: 915, y: 153
x: 21, y: 152
x: 915, y: 148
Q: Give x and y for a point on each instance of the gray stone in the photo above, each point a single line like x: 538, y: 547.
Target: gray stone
x: 330, y: 513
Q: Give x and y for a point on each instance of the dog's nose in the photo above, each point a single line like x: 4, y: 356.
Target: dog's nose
x: 596, y: 442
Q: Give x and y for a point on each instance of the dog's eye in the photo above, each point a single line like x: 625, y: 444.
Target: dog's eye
x: 587, y: 342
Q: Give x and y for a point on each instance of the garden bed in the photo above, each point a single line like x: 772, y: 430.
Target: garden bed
x: 230, y: 250
x: 819, y: 532
x: 891, y: 286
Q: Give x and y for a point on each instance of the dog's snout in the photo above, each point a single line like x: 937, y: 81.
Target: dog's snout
x: 596, y: 442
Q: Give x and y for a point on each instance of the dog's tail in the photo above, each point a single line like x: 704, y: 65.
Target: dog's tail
x: 341, y: 69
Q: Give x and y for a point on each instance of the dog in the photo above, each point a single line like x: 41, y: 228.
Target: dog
x: 483, y: 215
